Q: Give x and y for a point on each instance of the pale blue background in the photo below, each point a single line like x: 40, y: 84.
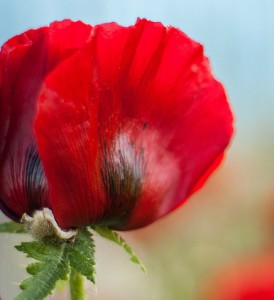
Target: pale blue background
x: 239, y: 39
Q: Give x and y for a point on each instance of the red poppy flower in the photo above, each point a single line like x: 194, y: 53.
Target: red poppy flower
x: 129, y: 122
x: 251, y: 279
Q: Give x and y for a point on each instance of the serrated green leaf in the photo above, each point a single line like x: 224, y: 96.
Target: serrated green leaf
x: 113, y: 236
x: 81, y: 254
x: 34, y: 268
x: 51, y: 267
x: 54, y: 263
x: 12, y: 227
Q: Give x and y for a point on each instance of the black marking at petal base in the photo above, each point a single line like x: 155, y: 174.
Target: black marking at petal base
x: 145, y: 125
x: 36, y: 186
x: 122, y: 170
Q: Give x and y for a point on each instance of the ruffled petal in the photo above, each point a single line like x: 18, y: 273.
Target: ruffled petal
x: 137, y: 123
x: 24, y: 62
x: 70, y: 108
x: 180, y: 100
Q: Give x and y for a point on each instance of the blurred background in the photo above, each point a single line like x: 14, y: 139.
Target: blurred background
x: 232, y: 217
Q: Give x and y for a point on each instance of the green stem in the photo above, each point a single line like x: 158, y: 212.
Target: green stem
x: 76, y: 283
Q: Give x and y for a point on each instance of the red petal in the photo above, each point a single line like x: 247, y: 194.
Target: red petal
x: 188, y: 108
x: 24, y: 62
x: 137, y: 123
x: 71, y: 168
x: 65, y: 38
x: 67, y: 121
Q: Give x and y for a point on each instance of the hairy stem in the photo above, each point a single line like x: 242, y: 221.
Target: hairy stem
x: 76, y: 283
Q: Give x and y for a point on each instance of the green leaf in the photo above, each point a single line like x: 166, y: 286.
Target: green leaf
x: 12, y: 227
x: 54, y: 263
x: 113, y: 236
x: 51, y: 267
x: 81, y: 254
